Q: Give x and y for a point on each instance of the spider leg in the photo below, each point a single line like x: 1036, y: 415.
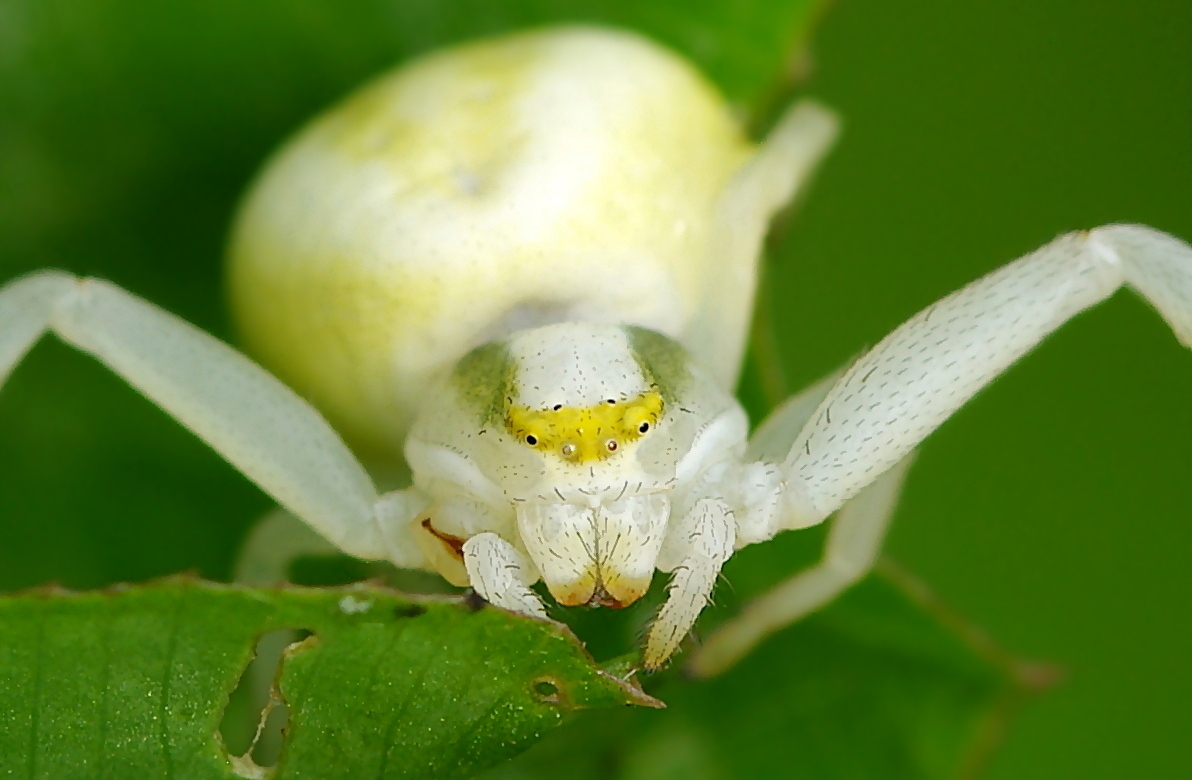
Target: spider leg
x: 502, y: 574
x: 772, y: 440
x: 854, y: 439
x: 694, y: 552
x: 26, y: 305
x: 766, y: 182
x: 927, y: 368
x: 258, y: 424
x: 274, y: 543
x: 852, y: 547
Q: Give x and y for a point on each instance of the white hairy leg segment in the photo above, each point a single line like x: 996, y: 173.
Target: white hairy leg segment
x: 25, y: 308
x: 852, y: 547
x: 906, y: 386
x: 762, y: 480
x: 502, y: 574
x: 254, y: 421
x: 695, y: 551
x: 782, y: 166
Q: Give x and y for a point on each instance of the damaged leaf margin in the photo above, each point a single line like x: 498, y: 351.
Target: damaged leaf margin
x: 134, y: 681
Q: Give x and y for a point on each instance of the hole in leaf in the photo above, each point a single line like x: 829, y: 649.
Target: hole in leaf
x: 254, y: 720
x: 546, y: 690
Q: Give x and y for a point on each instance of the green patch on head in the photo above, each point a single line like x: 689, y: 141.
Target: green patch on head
x: 663, y: 361
x: 484, y: 378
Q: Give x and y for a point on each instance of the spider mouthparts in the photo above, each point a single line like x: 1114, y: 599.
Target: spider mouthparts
x: 602, y: 598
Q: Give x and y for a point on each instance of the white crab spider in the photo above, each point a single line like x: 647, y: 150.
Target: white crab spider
x: 530, y: 263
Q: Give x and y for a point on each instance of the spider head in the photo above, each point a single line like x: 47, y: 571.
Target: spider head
x: 588, y: 404
x: 581, y: 434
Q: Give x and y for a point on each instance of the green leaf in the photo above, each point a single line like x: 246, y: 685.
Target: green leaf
x: 133, y: 682
x: 874, y: 686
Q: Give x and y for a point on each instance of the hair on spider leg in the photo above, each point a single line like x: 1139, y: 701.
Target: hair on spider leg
x: 721, y: 578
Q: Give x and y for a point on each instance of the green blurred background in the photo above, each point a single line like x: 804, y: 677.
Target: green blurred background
x: 1054, y: 510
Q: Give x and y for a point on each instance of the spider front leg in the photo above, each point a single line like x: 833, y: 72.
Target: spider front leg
x: 694, y: 550
x: 254, y: 421
x: 502, y: 574
x: 853, y: 544
x: 927, y: 368
x: 887, y: 402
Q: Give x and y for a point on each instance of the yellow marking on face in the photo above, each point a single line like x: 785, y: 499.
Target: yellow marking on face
x: 581, y: 435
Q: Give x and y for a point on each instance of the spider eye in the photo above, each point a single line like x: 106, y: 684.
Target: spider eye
x: 640, y: 416
x: 532, y: 440
x: 611, y: 445
x: 568, y: 450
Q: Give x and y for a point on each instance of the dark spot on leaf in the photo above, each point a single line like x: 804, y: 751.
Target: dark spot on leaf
x: 409, y: 611
x: 547, y: 691
x: 474, y: 602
